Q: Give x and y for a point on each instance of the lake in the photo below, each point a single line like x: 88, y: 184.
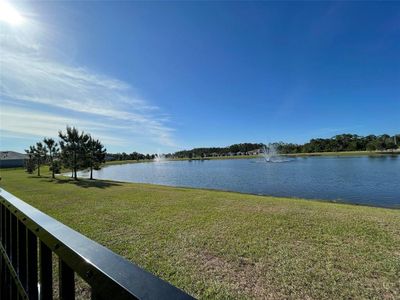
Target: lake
x: 370, y: 180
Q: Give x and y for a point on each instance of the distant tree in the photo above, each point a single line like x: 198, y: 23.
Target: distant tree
x: 56, y: 166
x: 134, y: 156
x: 73, y: 150
x: 53, y: 150
x: 40, y: 155
x: 30, y: 163
x: 96, y: 154
x: 66, y: 157
x: 124, y: 156
x: 371, y: 146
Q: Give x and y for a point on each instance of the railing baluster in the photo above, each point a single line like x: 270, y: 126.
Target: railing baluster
x: 95, y: 296
x: 22, y: 270
x: 14, y: 239
x: 7, y: 284
x: 7, y: 232
x: 32, y: 266
x: 3, y: 279
x: 13, y: 252
x: 3, y: 243
x: 3, y: 266
x: 14, y: 291
x: 1, y: 223
x: 46, y: 269
x: 8, y: 251
x: 66, y: 281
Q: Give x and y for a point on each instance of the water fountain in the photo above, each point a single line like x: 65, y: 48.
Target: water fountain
x: 159, y: 157
x: 271, y: 155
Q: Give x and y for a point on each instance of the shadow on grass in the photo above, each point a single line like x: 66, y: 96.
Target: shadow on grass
x: 84, y: 183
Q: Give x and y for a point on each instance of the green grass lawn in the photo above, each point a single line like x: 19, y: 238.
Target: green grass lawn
x: 223, y: 245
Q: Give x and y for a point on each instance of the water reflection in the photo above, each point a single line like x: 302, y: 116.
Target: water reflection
x: 372, y: 180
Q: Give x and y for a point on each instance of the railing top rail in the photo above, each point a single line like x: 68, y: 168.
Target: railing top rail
x: 109, y: 274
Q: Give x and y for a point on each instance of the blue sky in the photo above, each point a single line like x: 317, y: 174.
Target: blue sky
x: 158, y: 76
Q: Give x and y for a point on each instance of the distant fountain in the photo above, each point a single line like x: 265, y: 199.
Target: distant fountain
x: 159, y: 158
x: 271, y: 155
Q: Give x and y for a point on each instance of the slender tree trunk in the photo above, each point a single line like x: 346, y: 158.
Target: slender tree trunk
x: 52, y: 167
x: 75, y: 166
x: 38, y: 170
x: 91, y: 165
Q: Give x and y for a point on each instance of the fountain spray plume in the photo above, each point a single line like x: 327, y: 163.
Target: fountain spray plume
x: 271, y: 154
x: 159, y: 157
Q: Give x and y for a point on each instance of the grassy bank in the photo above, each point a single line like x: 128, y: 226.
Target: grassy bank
x: 227, y: 245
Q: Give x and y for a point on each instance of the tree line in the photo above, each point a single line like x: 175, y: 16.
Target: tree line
x: 337, y: 143
x: 132, y: 156
x: 241, y: 149
x: 75, y: 151
x: 197, y: 152
x: 343, y: 142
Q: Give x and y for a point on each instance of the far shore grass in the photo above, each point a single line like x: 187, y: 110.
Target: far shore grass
x: 223, y: 245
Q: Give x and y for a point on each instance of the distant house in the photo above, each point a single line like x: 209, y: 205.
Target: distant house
x: 11, y: 159
x: 109, y: 157
x: 255, y: 152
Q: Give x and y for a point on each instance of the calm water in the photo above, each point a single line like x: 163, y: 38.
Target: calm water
x: 363, y: 180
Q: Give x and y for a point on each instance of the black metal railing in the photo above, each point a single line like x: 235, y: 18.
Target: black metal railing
x: 28, y: 240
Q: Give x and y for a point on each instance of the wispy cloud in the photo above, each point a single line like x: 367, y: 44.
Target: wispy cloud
x: 22, y: 122
x: 30, y: 78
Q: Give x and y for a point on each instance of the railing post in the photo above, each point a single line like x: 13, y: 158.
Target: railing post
x: 13, y: 251
x: 94, y: 296
x: 66, y: 281
x: 32, y: 266
x: 7, y: 232
x: 7, y: 224
x: 46, y: 272
x: 2, y: 267
x: 1, y: 223
x: 14, y: 246
x: 22, y: 268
